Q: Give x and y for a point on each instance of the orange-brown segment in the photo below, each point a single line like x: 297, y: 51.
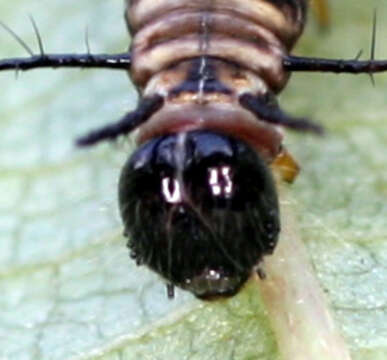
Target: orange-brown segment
x: 321, y: 10
x: 286, y: 166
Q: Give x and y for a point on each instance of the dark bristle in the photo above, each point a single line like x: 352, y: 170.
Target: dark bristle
x: 37, y: 34
x: 87, y: 43
x: 170, y: 291
x: 338, y: 66
x: 17, y: 38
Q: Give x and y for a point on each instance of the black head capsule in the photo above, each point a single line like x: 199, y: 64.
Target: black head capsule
x: 199, y: 208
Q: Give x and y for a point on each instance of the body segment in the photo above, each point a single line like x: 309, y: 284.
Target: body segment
x: 201, y: 56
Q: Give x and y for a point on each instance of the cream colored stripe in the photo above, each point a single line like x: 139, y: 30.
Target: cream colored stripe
x: 175, y: 25
x: 259, y: 11
x: 265, y: 62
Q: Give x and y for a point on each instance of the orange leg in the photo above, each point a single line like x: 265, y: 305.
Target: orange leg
x: 286, y: 166
x: 321, y: 11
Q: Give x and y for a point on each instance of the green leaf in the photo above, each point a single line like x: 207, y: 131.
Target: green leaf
x: 69, y: 289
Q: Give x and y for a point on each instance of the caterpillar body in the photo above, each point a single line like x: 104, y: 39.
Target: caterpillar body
x: 218, y: 210
x: 197, y: 196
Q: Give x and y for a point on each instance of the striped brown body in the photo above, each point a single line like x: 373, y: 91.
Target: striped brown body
x: 202, y: 55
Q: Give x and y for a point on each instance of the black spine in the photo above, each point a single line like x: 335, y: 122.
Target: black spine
x: 108, y: 61
x: 146, y: 108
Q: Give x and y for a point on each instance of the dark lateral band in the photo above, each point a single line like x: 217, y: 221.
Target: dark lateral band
x: 273, y: 114
x: 146, y: 108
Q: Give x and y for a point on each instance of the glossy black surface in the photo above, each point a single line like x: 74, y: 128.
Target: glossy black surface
x: 200, y: 209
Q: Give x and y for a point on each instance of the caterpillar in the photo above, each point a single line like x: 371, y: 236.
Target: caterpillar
x: 197, y: 197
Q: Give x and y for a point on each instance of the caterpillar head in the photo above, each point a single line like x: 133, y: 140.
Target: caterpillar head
x: 201, y: 209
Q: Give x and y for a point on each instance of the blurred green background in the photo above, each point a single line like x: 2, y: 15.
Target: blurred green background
x: 68, y: 288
